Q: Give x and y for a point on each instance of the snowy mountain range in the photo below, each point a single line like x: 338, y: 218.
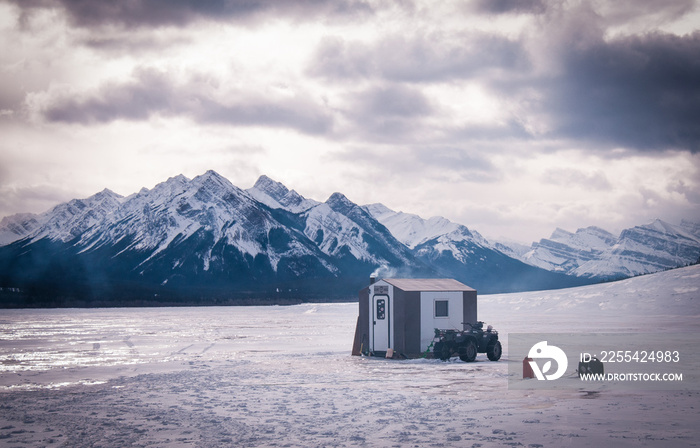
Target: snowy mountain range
x: 595, y: 253
x: 204, y: 239
x: 588, y: 253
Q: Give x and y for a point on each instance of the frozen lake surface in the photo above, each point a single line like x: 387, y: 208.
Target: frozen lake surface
x: 283, y: 376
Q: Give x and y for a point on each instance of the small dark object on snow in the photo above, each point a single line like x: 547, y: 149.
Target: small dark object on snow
x: 594, y: 366
x: 467, y: 343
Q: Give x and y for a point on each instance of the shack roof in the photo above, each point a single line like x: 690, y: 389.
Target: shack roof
x: 428, y: 284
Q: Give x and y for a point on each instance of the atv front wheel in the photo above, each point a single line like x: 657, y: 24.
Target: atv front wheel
x: 467, y: 352
x: 494, y: 351
x: 441, y: 351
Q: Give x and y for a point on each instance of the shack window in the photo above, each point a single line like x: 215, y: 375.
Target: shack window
x: 381, y: 309
x: 442, y: 308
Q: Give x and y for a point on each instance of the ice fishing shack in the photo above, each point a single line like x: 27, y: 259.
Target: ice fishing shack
x: 401, y: 314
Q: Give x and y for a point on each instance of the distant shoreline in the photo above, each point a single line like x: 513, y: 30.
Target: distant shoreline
x: 14, y: 301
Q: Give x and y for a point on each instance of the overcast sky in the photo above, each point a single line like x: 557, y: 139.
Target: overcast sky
x: 512, y: 117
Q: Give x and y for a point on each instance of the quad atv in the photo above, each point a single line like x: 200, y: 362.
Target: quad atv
x: 467, y: 343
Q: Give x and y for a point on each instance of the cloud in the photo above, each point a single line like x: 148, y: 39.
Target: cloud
x: 690, y: 193
x: 302, y: 114
x: 203, y: 99
x: 148, y: 93
x: 510, y: 6
x: 391, y: 112
x: 607, y: 90
x: 634, y: 91
x: 10, y: 99
x: 649, y: 11
x: 423, y: 164
x: 37, y: 198
x: 569, y: 176
x: 132, y: 42
x: 489, y: 132
x: 567, y: 77
x: 156, y: 13
x: 613, y: 12
x: 457, y: 164
x: 419, y: 57
x: 394, y: 100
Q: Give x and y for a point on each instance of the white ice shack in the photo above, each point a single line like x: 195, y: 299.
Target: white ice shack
x: 402, y: 314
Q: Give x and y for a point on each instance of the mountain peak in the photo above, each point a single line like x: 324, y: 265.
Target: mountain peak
x: 412, y: 230
x: 214, y: 174
x: 211, y: 175
x: 107, y: 193
x: 337, y: 196
x: 661, y: 226
x: 560, y: 234
x: 272, y: 188
x: 594, y: 229
x: 180, y: 179
x: 275, y: 195
x: 17, y: 226
x: 379, y: 211
x: 340, y: 203
x: 213, y: 183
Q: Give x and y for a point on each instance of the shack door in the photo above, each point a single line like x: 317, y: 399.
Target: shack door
x: 380, y: 323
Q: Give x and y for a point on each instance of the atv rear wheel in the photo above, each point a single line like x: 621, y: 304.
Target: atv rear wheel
x: 467, y: 352
x: 494, y: 351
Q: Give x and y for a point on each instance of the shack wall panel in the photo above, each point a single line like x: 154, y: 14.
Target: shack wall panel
x: 412, y: 317
x: 470, y: 307
x: 362, y: 330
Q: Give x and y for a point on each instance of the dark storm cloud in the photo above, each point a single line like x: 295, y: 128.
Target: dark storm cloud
x: 635, y: 91
x: 639, y: 91
x: 151, y: 92
x: 418, y: 58
x: 612, y: 12
x: 154, y: 13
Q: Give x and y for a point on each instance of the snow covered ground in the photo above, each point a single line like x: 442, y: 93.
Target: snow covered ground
x: 283, y: 376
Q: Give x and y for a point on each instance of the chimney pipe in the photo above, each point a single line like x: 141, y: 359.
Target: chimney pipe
x: 372, y: 279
